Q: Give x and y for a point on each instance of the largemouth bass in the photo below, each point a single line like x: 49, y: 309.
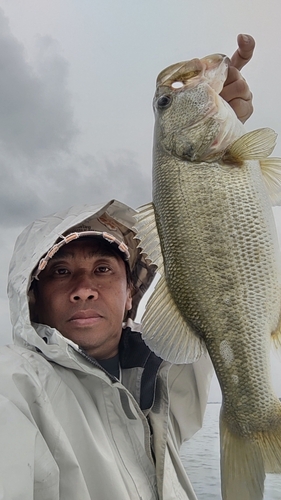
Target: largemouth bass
x: 211, y: 232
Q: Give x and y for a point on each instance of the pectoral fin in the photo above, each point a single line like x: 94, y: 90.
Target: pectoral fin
x: 255, y: 145
x: 163, y: 328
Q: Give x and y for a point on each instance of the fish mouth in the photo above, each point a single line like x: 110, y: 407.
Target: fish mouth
x: 212, y: 69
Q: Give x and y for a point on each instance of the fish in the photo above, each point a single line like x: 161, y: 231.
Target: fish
x: 210, y: 231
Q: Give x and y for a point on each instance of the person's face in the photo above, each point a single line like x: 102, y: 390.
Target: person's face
x: 84, y: 294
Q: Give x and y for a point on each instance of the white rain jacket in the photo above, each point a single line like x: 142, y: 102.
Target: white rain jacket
x: 68, y: 429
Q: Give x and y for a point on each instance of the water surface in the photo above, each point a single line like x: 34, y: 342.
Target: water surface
x: 200, y: 457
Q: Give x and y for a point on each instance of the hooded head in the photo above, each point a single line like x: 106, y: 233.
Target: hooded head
x: 38, y: 243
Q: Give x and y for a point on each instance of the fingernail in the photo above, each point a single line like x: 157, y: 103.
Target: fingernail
x: 246, y: 38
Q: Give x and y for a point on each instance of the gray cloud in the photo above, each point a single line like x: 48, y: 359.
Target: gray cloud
x: 42, y: 169
x: 36, y: 112
x: 30, y: 189
x: 18, y: 200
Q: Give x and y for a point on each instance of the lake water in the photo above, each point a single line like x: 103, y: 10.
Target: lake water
x: 200, y: 457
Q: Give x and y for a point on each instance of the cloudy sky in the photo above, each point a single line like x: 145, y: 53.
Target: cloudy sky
x: 77, y: 80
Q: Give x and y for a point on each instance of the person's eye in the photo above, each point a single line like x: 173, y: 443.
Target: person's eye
x: 60, y: 271
x: 102, y: 270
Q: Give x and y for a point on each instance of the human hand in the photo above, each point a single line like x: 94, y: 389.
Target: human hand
x: 236, y: 90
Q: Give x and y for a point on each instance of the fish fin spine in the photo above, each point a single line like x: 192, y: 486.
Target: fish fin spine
x: 242, y: 466
x: 147, y: 235
x: 166, y: 332
x: 164, y: 329
x: 255, y: 145
x: 246, y: 459
x: 271, y: 172
x: 276, y: 337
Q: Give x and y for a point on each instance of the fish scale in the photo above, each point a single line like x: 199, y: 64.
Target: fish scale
x: 212, y: 235
x: 211, y: 267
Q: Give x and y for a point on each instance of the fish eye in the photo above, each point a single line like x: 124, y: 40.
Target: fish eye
x: 164, y: 101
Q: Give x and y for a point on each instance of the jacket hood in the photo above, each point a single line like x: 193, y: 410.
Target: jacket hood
x: 34, y: 243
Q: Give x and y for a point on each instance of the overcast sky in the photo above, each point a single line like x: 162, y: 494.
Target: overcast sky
x: 77, y: 81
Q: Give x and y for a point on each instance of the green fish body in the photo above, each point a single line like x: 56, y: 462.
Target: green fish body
x: 211, y: 232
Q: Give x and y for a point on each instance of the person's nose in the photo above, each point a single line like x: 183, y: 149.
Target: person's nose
x: 84, y: 289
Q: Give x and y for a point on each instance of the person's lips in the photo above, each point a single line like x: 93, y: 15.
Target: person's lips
x: 85, y: 318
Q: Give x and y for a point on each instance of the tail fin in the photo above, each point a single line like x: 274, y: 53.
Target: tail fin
x: 245, y: 460
x: 242, y: 466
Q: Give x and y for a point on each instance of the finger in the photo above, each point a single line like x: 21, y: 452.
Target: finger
x: 242, y: 108
x: 238, y: 95
x: 246, y: 46
x: 235, y: 85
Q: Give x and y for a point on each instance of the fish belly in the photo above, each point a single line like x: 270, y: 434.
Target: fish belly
x: 222, y: 266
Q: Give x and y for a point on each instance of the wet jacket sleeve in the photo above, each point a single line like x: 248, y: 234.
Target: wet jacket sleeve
x: 188, y: 394
x: 28, y: 470
x: 24, y: 456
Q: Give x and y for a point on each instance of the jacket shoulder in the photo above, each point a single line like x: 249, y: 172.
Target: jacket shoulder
x: 24, y: 371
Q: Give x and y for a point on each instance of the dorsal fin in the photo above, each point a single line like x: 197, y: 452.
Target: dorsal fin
x: 271, y: 171
x: 163, y: 328
x: 258, y: 145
